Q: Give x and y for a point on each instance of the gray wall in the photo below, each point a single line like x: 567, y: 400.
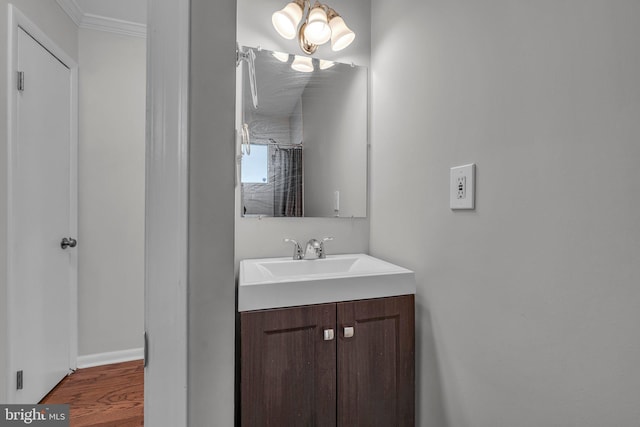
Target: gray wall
x: 47, y: 15
x: 211, y: 213
x: 255, y: 237
x: 111, y: 191
x: 528, y: 306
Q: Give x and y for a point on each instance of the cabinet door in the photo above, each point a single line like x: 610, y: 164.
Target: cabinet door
x: 288, y: 370
x: 376, y: 364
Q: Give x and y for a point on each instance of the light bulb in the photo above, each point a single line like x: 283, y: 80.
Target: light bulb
x: 302, y: 64
x: 341, y: 35
x: 317, y: 30
x: 286, y: 20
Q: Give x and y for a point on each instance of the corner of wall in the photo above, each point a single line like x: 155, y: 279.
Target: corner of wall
x: 212, y: 292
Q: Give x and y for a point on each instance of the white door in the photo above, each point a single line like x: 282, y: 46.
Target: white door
x: 41, y: 270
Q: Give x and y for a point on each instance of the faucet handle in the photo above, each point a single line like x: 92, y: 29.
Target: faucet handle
x: 323, y: 254
x: 297, y: 250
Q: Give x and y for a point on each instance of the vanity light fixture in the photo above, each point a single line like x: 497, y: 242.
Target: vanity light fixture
x: 321, y: 23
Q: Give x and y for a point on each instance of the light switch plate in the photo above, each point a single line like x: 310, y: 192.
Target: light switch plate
x: 462, y: 187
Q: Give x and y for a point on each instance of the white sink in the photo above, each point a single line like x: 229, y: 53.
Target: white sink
x: 288, y: 268
x: 284, y: 282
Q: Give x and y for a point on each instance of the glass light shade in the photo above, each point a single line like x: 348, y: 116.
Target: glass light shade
x: 302, y: 64
x: 325, y: 65
x: 317, y: 30
x: 280, y: 56
x: 286, y: 20
x: 341, y: 35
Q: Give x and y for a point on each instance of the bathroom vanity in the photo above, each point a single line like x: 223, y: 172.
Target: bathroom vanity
x: 338, y: 360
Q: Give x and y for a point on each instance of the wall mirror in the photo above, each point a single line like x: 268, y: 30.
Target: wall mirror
x: 304, y: 130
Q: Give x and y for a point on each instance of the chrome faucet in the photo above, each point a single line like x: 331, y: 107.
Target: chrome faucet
x: 297, y: 250
x: 315, y: 249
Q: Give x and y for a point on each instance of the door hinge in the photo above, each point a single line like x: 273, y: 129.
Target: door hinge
x: 19, y: 380
x: 146, y: 349
x: 21, y: 81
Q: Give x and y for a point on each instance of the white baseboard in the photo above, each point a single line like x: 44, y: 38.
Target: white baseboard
x: 99, y: 359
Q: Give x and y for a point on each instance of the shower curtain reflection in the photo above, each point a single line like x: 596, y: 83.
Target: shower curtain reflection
x: 281, y: 194
x: 287, y: 165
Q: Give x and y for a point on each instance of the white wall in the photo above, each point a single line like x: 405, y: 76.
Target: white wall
x: 528, y: 306
x: 111, y: 191
x: 48, y: 16
x: 211, y: 214
x: 263, y: 237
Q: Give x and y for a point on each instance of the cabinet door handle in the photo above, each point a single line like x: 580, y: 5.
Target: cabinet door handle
x: 328, y: 334
x: 348, y: 331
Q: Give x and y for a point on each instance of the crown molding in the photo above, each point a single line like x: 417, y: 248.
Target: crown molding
x: 112, y: 25
x: 101, y: 23
x: 72, y: 9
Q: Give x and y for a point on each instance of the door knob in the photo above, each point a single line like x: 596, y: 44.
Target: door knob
x: 348, y: 331
x: 328, y: 334
x: 68, y: 243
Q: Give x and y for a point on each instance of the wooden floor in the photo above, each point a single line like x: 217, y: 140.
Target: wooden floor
x: 104, y: 396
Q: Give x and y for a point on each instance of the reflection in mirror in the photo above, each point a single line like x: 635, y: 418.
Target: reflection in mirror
x: 305, y: 141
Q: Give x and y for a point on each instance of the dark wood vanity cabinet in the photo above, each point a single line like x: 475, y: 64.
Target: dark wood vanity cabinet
x: 288, y: 371
x: 294, y: 372
x: 375, y: 376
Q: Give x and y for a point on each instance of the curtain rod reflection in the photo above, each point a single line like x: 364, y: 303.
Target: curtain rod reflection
x: 280, y: 144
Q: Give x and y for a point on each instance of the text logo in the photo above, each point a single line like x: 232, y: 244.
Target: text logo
x: 34, y: 415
